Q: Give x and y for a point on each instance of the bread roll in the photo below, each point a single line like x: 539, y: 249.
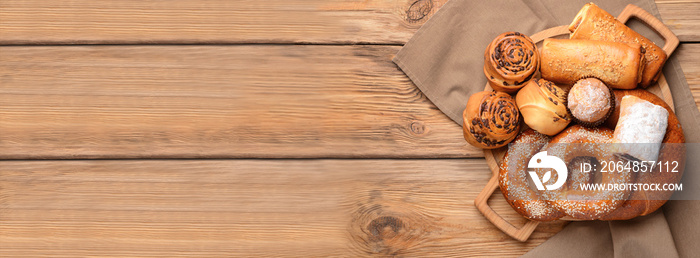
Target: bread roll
x: 618, y: 65
x: 543, y: 106
x: 491, y: 120
x: 590, y: 102
x: 594, y: 23
x: 510, y: 61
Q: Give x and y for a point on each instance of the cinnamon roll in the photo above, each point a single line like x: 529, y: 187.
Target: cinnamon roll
x: 618, y: 65
x: 510, y: 61
x: 594, y: 23
x: 491, y: 120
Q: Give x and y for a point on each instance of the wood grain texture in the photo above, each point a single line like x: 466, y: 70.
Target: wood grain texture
x: 681, y: 16
x: 224, y: 102
x: 221, y: 21
x: 216, y: 102
x: 171, y: 208
x: 213, y: 21
x: 688, y: 57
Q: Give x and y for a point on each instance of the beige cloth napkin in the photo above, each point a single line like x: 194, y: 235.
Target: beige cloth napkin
x: 445, y: 60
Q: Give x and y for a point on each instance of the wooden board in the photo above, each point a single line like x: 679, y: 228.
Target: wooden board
x: 112, y: 102
x: 223, y: 102
x: 688, y: 55
x: 681, y: 16
x: 221, y: 21
x: 213, y: 21
x: 216, y: 102
x: 244, y: 208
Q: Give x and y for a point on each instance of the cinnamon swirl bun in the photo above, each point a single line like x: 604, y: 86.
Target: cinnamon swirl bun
x: 491, y: 120
x: 510, y: 61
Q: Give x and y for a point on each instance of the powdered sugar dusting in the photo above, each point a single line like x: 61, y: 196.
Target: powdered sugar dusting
x: 641, y: 122
x: 589, y: 100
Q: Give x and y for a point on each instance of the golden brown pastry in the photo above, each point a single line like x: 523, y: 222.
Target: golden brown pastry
x: 514, y: 182
x: 620, y: 204
x: 566, y: 61
x: 589, y: 143
x: 594, y: 23
x: 491, y: 119
x: 543, y: 106
x: 590, y: 102
x: 510, y: 61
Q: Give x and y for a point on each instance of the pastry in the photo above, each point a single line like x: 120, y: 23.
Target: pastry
x: 572, y: 200
x: 618, y: 65
x: 491, y: 119
x: 641, y: 128
x: 510, y: 61
x: 513, y: 178
x: 640, y: 202
x: 543, y: 106
x: 620, y: 204
x: 590, y: 102
x: 594, y: 23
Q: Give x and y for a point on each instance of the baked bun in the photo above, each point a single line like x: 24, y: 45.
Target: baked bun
x: 590, y: 102
x: 543, y: 106
x: 618, y: 65
x: 594, y: 23
x: 510, y: 61
x: 491, y: 120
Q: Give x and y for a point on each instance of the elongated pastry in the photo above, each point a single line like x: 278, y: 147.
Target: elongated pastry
x: 618, y: 65
x: 594, y: 23
x: 510, y: 61
x: 641, y: 128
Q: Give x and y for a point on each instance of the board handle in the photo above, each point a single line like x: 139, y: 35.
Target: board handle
x: 670, y: 39
x: 481, y: 202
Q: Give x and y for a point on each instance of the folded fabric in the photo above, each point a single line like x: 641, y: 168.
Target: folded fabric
x: 445, y: 60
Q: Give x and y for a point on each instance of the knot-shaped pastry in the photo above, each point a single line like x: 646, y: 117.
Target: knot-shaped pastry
x: 510, y: 61
x: 543, y: 106
x: 491, y: 119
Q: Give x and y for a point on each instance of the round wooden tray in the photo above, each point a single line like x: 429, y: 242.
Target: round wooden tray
x: 494, y: 157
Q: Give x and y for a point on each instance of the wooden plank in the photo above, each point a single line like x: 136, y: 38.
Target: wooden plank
x: 213, y: 21
x: 216, y: 102
x: 219, y: 21
x: 681, y: 16
x: 318, y: 208
x: 687, y: 55
x: 224, y: 102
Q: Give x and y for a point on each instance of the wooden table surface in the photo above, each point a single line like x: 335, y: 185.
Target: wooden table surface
x: 237, y: 128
